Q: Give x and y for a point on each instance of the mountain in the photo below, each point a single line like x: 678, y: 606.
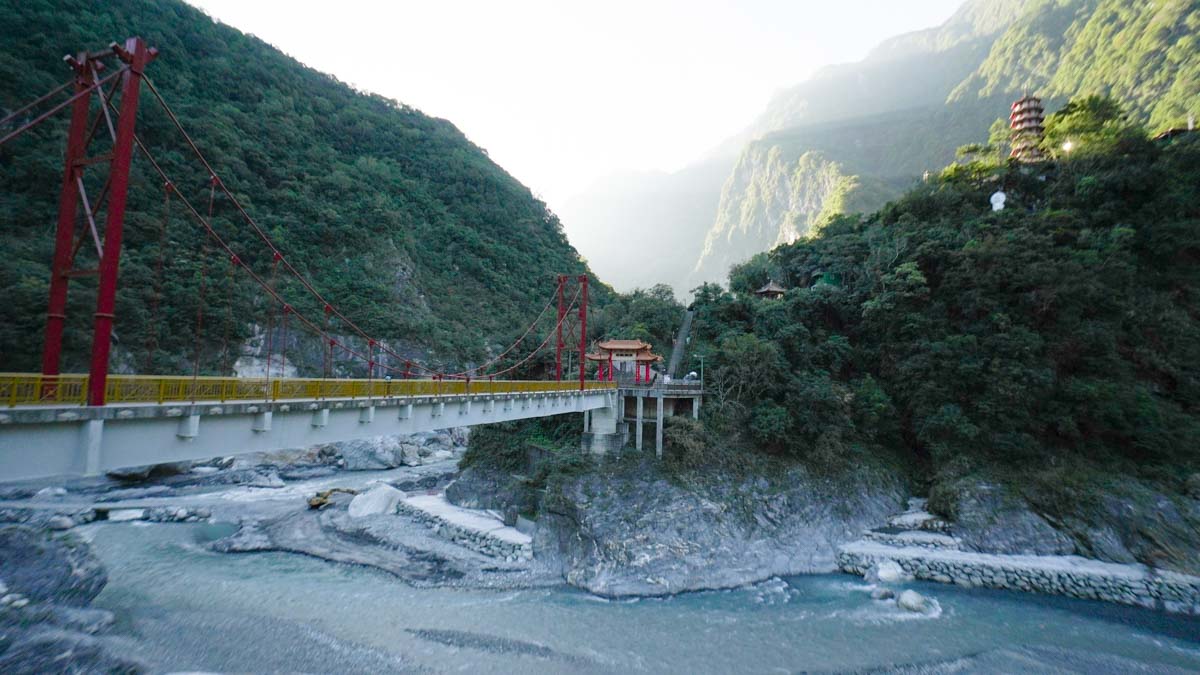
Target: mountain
x: 395, y: 216
x: 1145, y: 53
x: 642, y: 228
x: 856, y: 135
x: 1044, y: 354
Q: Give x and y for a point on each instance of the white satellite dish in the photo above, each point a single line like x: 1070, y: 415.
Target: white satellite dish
x: 998, y: 199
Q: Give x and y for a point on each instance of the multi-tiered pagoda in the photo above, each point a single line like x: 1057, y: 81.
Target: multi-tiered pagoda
x: 1026, y: 123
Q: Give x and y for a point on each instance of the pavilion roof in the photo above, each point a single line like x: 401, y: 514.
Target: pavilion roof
x: 644, y: 356
x: 631, y: 345
x: 771, y: 287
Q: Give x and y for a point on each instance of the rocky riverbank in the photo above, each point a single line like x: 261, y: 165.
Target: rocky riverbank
x: 620, y: 526
x: 47, y: 582
x: 627, y: 529
x: 921, y: 545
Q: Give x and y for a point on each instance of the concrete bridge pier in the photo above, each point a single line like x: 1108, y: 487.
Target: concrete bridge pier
x: 638, y: 442
x: 605, y: 431
x: 658, y: 426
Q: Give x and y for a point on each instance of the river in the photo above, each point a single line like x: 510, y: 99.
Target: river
x: 191, y: 609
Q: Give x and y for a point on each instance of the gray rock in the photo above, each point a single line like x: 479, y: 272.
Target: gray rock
x: 882, y: 594
x: 60, y: 523
x: 59, y: 569
x: 510, y: 516
x: 912, y: 601
x: 136, y: 473
x: 381, y: 452
x: 886, y: 572
x: 53, y: 650
x: 478, y: 489
x: 83, y: 619
x: 381, y: 499
x: 991, y: 520
x: 50, y: 493
x: 635, y: 533
x: 410, y: 454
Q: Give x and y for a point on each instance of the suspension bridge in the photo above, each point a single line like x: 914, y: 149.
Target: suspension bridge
x: 55, y: 423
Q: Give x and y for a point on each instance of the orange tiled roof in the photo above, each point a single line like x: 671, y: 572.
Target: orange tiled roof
x: 633, y: 345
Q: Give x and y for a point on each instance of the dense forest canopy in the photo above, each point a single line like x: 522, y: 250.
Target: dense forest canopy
x: 1053, y: 343
x: 409, y: 227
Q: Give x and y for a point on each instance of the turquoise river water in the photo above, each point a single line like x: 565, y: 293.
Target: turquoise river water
x: 190, y: 609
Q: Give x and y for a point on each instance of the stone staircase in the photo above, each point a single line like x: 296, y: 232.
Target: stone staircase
x: 680, y: 345
x: 915, y: 527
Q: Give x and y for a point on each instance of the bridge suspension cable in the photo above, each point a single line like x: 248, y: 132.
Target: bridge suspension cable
x: 278, y: 256
x: 86, y: 91
x: 135, y: 56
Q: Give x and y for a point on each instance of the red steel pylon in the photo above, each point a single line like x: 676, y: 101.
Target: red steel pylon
x: 136, y: 56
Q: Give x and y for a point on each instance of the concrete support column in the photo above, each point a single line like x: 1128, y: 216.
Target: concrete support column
x: 366, y: 415
x: 587, y: 421
x: 658, y: 431
x: 189, y: 427
x: 696, y: 408
x: 93, y: 435
x: 320, y: 418
x: 638, y: 441
x: 605, y: 432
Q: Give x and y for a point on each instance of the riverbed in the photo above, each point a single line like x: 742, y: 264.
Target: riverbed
x: 192, y: 609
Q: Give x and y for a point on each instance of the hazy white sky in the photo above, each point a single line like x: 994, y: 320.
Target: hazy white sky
x: 561, y: 92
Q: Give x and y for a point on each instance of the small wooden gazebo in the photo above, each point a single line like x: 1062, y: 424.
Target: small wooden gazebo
x: 771, y: 291
x: 612, y: 356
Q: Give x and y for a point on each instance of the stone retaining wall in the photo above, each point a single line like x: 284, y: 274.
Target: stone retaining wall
x: 1161, y: 590
x: 480, y: 542
x: 916, y: 542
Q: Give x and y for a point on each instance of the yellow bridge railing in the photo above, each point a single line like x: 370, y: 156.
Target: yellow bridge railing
x: 33, y: 389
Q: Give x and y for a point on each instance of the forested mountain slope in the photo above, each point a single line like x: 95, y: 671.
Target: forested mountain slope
x: 397, y: 216
x: 1051, y: 347
x: 917, y: 97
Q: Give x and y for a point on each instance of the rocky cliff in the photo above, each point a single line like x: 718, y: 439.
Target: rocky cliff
x: 917, y: 97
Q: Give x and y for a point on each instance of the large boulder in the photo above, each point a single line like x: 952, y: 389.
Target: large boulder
x: 1136, y: 523
x: 374, y: 454
x: 913, y: 601
x: 479, y: 488
x: 886, y: 572
x: 634, y: 532
x: 381, y: 499
x: 44, y: 568
x: 988, y: 518
x: 1123, y: 522
x: 136, y: 473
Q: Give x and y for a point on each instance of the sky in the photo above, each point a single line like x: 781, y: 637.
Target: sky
x: 562, y: 93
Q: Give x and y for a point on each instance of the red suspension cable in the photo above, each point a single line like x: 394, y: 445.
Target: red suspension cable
x: 46, y: 115
x: 280, y: 258
x: 36, y: 102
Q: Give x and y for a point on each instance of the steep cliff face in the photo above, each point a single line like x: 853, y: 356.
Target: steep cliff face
x: 881, y: 119
x: 770, y: 199
x: 907, y: 106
